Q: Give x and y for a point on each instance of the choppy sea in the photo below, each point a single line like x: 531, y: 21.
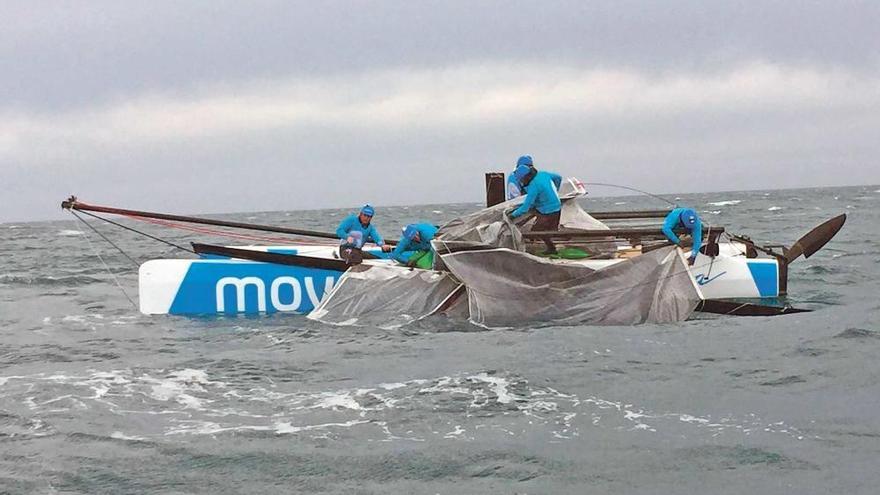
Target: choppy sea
x: 97, y: 398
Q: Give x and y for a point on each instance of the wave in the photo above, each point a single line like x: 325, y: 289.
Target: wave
x: 726, y: 203
x: 12, y: 426
x: 821, y: 270
x: 67, y: 281
x: 858, y: 333
x: 464, y: 406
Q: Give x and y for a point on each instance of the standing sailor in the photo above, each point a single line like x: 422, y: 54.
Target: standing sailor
x: 541, y: 193
x: 514, y: 189
x: 684, y: 219
x: 356, y: 230
x: 416, y: 237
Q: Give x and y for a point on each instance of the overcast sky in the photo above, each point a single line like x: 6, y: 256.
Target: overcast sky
x: 274, y: 105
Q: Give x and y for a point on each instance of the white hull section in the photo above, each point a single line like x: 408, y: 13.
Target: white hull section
x: 228, y: 286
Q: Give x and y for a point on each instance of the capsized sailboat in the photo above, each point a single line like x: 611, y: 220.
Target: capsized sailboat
x: 306, y: 275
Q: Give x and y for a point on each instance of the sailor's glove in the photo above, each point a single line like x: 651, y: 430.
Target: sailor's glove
x: 691, y: 260
x: 386, y: 248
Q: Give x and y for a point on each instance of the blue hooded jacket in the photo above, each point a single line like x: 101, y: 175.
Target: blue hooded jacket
x: 514, y: 190
x: 541, y: 193
x: 368, y: 233
x: 426, y: 233
x: 677, y: 219
x: 514, y: 187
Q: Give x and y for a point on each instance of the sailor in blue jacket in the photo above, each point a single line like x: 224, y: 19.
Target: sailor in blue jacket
x: 684, y: 219
x: 360, y: 224
x: 416, y: 237
x: 541, y: 194
x: 514, y: 189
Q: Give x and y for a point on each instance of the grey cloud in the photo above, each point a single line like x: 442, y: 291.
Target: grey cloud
x: 302, y: 167
x: 63, y: 64
x: 57, y: 55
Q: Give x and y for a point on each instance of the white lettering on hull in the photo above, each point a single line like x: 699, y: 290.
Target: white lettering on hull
x: 273, y: 294
x: 240, y: 284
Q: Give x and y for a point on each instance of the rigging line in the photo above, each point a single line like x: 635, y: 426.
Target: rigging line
x: 639, y: 191
x: 87, y: 224
x: 631, y: 189
x: 106, y: 267
x: 223, y: 233
x: 712, y: 264
x: 137, y: 232
x: 730, y: 240
x: 734, y: 310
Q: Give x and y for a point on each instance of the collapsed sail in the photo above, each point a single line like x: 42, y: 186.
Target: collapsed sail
x: 506, y: 288
x: 385, y: 296
x: 485, y: 253
x: 493, y: 227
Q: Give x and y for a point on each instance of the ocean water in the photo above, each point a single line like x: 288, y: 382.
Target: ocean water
x: 97, y: 398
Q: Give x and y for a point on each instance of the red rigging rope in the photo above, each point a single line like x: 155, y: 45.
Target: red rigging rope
x: 224, y: 233
x: 182, y: 223
x: 74, y: 203
x: 111, y: 222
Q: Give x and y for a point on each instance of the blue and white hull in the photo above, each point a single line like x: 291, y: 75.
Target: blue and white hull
x: 224, y: 286
x: 230, y: 286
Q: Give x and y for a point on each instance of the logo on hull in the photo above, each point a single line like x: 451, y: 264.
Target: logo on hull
x: 211, y: 287
x: 274, y: 294
x: 704, y: 279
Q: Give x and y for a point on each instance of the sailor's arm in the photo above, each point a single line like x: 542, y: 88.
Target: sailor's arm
x: 374, y: 235
x: 344, y: 227
x: 527, y: 204
x: 668, y: 225
x: 402, y: 246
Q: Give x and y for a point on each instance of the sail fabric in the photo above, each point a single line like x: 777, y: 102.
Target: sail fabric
x: 506, y: 288
x: 387, y: 296
x: 493, y: 227
x: 484, y: 254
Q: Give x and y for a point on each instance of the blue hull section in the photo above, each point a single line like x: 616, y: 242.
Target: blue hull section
x: 250, y: 287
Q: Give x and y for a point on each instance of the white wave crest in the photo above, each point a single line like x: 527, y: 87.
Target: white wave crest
x: 463, y: 407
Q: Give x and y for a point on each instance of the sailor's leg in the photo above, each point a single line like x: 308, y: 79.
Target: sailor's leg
x: 546, y: 223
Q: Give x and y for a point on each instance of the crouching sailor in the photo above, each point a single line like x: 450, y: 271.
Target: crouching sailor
x: 540, y: 187
x: 514, y: 189
x: 416, y: 237
x: 355, y: 231
x: 685, y: 219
